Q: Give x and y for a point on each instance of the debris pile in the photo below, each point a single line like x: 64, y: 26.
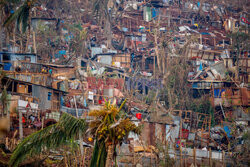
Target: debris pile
x: 181, y: 65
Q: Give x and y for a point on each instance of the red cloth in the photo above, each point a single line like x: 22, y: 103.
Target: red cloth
x: 138, y: 115
x: 23, y: 120
x: 185, y: 133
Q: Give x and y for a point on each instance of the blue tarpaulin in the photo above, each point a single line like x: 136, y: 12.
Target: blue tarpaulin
x: 62, y: 52
x: 218, y: 92
x: 204, y: 33
x: 62, y: 101
x: 49, y: 96
x: 7, y: 66
x: 155, y: 13
x: 85, y: 103
x: 228, y: 131
x: 198, y: 4
x: 195, y: 85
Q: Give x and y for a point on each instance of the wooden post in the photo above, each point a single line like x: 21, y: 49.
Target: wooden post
x: 28, y: 40
x: 133, y: 155
x: 65, y: 159
x: 210, y: 156
x: 20, y: 124
x: 130, y: 25
x: 84, y: 156
x: 169, y: 19
x: 209, y: 127
x: 42, y: 121
x: 180, y: 142
x: 185, y: 160
x: 194, y: 156
x: 154, y: 66
x: 200, y: 39
x: 80, y: 134
x: 223, y: 158
x: 151, y: 158
x: 180, y: 155
x: 7, y: 142
x: 34, y: 41
x: 174, y: 152
x: 12, y: 89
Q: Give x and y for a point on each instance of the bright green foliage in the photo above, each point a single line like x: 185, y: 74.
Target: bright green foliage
x: 99, y: 155
x: 110, y: 127
x: 54, y: 136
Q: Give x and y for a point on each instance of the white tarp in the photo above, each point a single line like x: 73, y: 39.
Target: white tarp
x: 22, y: 103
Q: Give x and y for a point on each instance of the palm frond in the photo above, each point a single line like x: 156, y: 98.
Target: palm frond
x: 13, y: 17
x: 71, y: 125
x: 25, y: 18
x: 21, y: 15
x: 122, y: 105
x: 51, y: 137
x: 99, y: 155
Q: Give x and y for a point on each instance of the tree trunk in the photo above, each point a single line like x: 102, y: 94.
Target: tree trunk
x: 170, y: 100
x: 157, y: 51
x: 109, y: 156
x: 34, y: 41
x: 80, y: 133
x: 108, y: 33
x: 7, y: 39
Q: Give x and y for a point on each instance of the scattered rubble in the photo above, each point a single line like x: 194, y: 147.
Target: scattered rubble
x: 183, y: 67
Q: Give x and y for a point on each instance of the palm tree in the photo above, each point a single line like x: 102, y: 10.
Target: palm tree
x: 22, y: 15
x: 4, y: 6
x: 110, y: 128
x: 67, y: 129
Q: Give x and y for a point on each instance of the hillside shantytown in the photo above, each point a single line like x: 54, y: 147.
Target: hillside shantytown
x: 124, y: 83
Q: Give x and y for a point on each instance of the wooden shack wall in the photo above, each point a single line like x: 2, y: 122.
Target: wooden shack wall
x: 123, y: 59
x: 42, y: 94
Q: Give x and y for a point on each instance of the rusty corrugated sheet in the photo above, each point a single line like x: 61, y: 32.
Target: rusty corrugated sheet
x: 152, y: 134
x: 244, y: 96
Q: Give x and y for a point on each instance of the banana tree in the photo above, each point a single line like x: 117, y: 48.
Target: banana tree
x: 110, y: 127
x: 67, y: 129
